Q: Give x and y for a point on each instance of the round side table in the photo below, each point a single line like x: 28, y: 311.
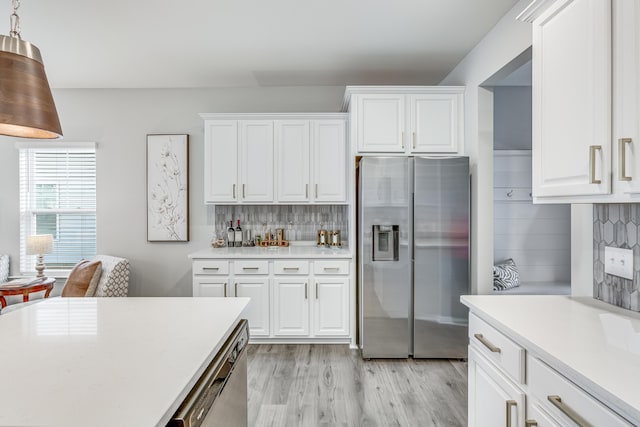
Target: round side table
x: 46, y: 284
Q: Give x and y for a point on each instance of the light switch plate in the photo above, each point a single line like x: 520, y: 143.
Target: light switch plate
x: 618, y: 262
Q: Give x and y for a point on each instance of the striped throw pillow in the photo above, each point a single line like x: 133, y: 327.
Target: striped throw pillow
x: 505, y: 275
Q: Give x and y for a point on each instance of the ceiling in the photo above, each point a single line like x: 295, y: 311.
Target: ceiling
x: 230, y: 43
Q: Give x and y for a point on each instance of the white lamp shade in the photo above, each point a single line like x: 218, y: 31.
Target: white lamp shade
x: 39, y: 244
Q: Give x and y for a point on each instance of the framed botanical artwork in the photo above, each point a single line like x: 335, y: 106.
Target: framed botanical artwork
x: 168, y: 188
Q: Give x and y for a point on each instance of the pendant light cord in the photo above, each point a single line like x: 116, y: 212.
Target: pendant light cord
x: 15, y: 20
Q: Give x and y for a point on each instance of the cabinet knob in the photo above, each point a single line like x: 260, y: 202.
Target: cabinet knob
x: 492, y: 348
x: 622, y: 159
x: 510, y: 404
x: 568, y: 411
x: 592, y: 164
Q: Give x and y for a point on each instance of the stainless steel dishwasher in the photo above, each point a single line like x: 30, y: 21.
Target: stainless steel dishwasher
x: 219, y: 398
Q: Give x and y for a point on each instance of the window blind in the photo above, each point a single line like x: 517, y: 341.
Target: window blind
x: 58, y: 197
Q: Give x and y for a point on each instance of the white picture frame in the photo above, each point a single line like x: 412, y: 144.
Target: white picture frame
x: 168, y: 188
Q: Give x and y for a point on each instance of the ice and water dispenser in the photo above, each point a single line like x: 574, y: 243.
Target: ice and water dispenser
x: 386, y: 242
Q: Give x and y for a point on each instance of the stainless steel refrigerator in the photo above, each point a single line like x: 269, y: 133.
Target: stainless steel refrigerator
x: 413, y: 256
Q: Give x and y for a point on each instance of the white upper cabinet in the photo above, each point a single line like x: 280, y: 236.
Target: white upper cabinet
x: 275, y: 158
x: 292, y: 165
x: 626, y: 107
x: 586, y: 100
x: 256, y: 160
x: 435, y: 122
x: 329, y: 160
x: 221, y: 161
x: 380, y: 123
x: 572, y: 99
x: 406, y: 119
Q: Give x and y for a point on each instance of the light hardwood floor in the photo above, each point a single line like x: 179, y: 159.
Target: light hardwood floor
x: 330, y: 385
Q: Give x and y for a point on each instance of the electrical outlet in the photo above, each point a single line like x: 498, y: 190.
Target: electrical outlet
x: 618, y: 262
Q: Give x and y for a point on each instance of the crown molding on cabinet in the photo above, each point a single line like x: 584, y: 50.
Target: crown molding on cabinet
x: 413, y: 90
x: 534, y: 10
x: 274, y: 116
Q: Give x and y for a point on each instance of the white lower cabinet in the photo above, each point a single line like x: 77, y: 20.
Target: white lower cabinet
x: 498, y: 392
x: 211, y: 287
x: 494, y: 400
x: 291, y: 307
x: 258, y: 310
x: 292, y: 300
x: 331, y: 307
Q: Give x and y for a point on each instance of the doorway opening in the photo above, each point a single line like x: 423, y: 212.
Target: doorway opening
x: 531, y: 242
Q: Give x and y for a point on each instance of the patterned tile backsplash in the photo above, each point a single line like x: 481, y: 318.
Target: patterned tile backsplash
x: 616, y: 225
x: 302, y: 220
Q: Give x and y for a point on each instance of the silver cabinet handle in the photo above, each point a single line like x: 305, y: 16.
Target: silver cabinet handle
x: 225, y: 289
x: 234, y: 191
x: 331, y: 268
x: 414, y: 140
x: 211, y: 268
x: 569, y: 412
x: 402, y: 139
x: 291, y: 268
x: 316, y: 290
x: 510, y: 404
x: 530, y: 423
x: 622, y: 159
x: 243, y: 196
x: 251, y: 268
x: 236, y: 289
x: 316, y: 191
x: 306, y: 191
x: 305, y: 290
x: 487, y: 343
x: 592, y: 164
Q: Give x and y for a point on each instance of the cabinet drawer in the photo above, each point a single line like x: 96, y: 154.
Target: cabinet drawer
x: 291, y: 267
x: 331, y: 267
x: 210, y: 267
x: 564, y: 400
x: 497, y: 347
x: 251, y: 267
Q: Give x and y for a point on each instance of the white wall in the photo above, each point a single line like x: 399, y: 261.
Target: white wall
x: 508, y: 39
x: 512, y: 118
x: 119, y: 120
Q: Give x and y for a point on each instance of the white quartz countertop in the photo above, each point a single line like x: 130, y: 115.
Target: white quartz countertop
x: 594, y: 344
x: 284, y: 252
x: 108, y: 361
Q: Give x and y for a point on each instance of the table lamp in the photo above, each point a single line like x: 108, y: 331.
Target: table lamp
x: 40, y: 244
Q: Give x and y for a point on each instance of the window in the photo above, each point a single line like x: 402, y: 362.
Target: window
x: 58, y: 197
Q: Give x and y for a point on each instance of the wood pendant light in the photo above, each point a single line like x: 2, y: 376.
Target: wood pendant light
x: 27, y: 109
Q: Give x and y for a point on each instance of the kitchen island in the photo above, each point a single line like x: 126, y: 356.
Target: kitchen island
x: 555, y: 360
x: 108, y: 361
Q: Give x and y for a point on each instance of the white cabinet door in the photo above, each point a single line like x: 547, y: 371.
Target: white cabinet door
x: 292, y: 165
x: 436, y: 123
x: 258, y: 309
x: 626, y: 107
x: 572, y: 99
x: 329, y: 161
x: 256, y: 155
x: 380, y: 123
x: 331, y: 307
x: 220, y: 161
x: 291, y: 307
x: 492, y: 396
x: 210, y: 286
